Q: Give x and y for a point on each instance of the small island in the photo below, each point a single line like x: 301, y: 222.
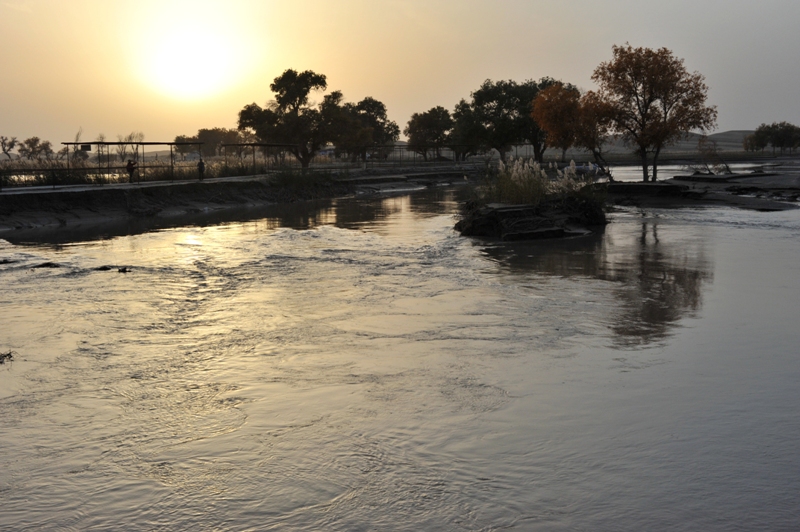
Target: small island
x: 524, y: 201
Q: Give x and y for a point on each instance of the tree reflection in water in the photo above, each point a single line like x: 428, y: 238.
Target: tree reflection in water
x: 659, y: 271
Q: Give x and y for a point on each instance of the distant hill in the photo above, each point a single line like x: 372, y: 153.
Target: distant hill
x: 731, y: 140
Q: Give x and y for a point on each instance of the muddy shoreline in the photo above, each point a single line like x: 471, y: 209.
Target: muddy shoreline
x: 68, y: 214
x: 760, y: 192
x: 72, y: 209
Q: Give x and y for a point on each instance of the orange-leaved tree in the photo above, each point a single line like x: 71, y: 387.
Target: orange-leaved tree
x: 594, y: 122
x: 654, y: 100
x: 557, y: 111
x: 571, y: 119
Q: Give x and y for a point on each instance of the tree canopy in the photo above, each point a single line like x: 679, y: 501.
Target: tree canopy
x: 429, y: 130
x: 34, y: 148
x: 362, y: 125
x: 7, y: 145
x: 503, y: 110
x: 654, y: 100
x: 557, y: 110
x: 466, y: 136
x: 290, y: 119
x: 779, y: 135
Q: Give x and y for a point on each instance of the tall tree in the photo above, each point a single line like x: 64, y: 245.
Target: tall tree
x: 289, y: 119
x: 594, y: 121
x: 779, y: 135
x: 466, y: 137
x: 7, y: 145
x: 212, y: 140
x: 372, y: 113
x: 503, y: 108
x: 129, y: 142
x: 34, y: 148
x: 556, y: 110
x: 655, y: 100
x: 428, y: 131
x: 362, y: 125
x: 184, y: 149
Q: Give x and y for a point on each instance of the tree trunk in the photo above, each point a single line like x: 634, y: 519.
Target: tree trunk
x: 563, y: 155
x: 538, y: 151
x: 599, y: 160
x: 655, y: 164
x: 645, y: 175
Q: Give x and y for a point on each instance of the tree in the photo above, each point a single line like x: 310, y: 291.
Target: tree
x: 34, y: 148
x: 129, y: 140
x: 556, y: 110
x: 184, y: 149
x: 592, y: 131
x: 710, y: 157
x: 756, y: 141
x: 213, y: 139
x: 503, y: 109
x: 289, y: 119
x: 655, y: 100
x: 292, y: 88
x: 428, y: 130
x: 7, y: 145
x: 779, y: 135
x: 372, y: 113
x: 466, y: 136
x: 371, y: 125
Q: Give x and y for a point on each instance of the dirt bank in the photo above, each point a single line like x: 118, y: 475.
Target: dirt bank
x: 767, y: 192
x: 70, y: 208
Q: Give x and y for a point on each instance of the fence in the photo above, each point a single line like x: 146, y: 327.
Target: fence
x: 245, y: 159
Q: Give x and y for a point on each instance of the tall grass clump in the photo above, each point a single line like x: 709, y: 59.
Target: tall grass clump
x: 525, y: 181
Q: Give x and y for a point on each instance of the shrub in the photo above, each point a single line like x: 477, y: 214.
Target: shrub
x: 524, y: 181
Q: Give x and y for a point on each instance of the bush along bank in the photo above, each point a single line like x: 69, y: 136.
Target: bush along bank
x: 523, y: 201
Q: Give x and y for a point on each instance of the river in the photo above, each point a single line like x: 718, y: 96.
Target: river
x: 357, y: 365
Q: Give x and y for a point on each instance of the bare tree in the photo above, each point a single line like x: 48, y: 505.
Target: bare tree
x: 8, y: 144
x: 129, y: 141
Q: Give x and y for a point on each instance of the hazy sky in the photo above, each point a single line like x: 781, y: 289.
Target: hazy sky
x: 168, y: 67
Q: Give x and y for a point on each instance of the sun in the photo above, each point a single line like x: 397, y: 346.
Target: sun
x: 191, y: 57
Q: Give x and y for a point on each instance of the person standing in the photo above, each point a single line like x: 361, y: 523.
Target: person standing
x: 201, y: 169
x: 130, y: 167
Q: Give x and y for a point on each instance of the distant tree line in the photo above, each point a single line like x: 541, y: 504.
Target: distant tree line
x: 781, y: 136
x: 34, y: 149
x: 646, y: 98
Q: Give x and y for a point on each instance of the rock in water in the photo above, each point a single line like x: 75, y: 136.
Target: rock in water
x: 559, y: 218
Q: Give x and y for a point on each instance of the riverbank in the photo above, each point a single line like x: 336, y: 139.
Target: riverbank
x: 70, y: 209
x: 96, y: 205
x: 74, y: 207
x: 760, y: 192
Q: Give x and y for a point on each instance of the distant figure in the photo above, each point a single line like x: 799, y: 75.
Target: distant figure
x: 130, y: 167
x: 201, y: 169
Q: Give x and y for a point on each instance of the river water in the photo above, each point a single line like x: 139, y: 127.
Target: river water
x: 356, y: 365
